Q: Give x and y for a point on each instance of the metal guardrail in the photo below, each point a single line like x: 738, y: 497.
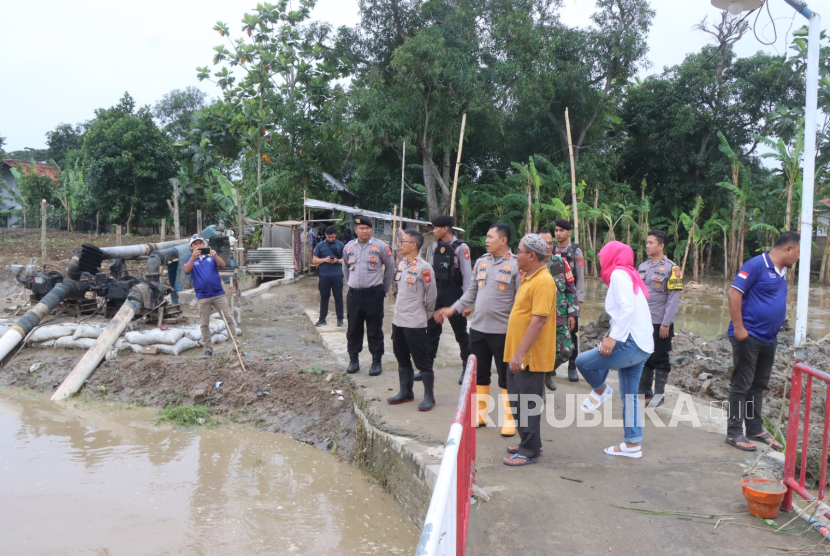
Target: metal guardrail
x: 445, y: 527
x: 798, y: 485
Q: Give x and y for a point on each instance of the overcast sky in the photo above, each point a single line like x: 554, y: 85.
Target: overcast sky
x: 62, y: 60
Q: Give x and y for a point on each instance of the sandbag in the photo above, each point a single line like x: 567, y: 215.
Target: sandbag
x: 217, y: 326
x: 68, y: 342
x: 49, y: 344
x: 192, y: 332
x: 154, y: 336
x: 218, y: 338
x: 51, y: 332
x: 89, y: 330
x: 183, y: 344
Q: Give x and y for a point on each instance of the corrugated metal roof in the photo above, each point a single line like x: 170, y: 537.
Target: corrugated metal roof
x: 335, y: 184
x: 40, y: 168
x: 314, y: 203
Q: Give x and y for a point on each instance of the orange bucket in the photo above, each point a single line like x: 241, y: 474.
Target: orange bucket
x: 763, y: 496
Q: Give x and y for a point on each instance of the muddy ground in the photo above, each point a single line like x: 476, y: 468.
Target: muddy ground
x: 283, y: 353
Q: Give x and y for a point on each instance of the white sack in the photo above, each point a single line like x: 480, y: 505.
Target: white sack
x: 51, y: 332
x: 155, y: 336
x: 68, y: 342
x: 89, y: 330
x: 183, y: 344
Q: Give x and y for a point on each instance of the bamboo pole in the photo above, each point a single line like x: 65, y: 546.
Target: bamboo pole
x: 118, y: 234
x: 43, y: 231
x: 573, y: 177
x: 458, y: 163
x: 176, y: 223
x: 163, y: 228
x: 395, y: 229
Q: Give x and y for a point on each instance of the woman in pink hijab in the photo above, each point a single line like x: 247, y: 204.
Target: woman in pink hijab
x: 626, y: 348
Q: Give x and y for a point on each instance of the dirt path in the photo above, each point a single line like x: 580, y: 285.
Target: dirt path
x: 283, y: 354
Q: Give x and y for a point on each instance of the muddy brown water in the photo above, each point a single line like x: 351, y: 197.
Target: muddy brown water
x: 97, y: 478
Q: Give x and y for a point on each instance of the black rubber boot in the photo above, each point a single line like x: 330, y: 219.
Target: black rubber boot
x: 354, y: 364
x: 549, y: 383
x: 418, y: 376
x: 660, y: 380
x: 375, y: 369
x: 429, y: 397
x: 573, y: 374
x: 646, y: 379
x: 406, y: 394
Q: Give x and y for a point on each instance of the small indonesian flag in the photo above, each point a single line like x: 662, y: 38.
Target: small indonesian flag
x: 743, y: 275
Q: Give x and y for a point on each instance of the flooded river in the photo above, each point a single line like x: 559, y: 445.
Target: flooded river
x: 103, y: 479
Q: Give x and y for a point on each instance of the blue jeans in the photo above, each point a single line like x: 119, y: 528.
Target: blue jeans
x: 628, y: 359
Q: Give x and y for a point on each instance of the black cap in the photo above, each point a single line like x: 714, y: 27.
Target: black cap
x: 442, y: 221
x: 562, y: 223
x: 364, y: 220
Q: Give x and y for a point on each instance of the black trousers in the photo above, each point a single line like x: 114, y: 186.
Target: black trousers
x: 530, y: 384
x: 575, y: 341
x: 753, y: 361
x: 365, y: 308
x: 327, y: 286
x: 487, y: 347
x: 446, y: 297
x: 411, y: 344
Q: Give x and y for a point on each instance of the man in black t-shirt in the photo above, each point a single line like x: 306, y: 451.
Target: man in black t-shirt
x: 328, y: 255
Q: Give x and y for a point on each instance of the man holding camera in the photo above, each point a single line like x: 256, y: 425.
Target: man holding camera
x: 204, y: 265
x: 328, y: 256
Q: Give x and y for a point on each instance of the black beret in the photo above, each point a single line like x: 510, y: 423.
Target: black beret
x: 442, y: 221
x: 358, y: 220
x: 562, y: 223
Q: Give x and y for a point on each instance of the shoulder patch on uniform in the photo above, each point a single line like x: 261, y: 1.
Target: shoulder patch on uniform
x: 579, y: 261
x: 676, y: 279
x: 388, y: 251
x: 427, y: 276
x: 467, y: 254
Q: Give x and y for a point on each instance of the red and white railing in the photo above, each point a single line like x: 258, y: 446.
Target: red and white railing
x: 798, y: 485
x: 445, y: 527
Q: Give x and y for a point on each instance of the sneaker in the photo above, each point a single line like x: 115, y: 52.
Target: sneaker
x: 340, y: 322
x: 320, y: 323
x: 208, y: 353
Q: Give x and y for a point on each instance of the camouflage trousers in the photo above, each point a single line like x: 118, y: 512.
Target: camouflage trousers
x: 564, y: 345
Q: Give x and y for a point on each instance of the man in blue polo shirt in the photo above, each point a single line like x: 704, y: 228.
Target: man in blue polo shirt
x: 328, y: 256
x: 758, y: 307
x: 210, y: 295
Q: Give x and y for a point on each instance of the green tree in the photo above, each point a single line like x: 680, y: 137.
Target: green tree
x: 65, y: 142
x: 129, y: 161
x: 176, y: 109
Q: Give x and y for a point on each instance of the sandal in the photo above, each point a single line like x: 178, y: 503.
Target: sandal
x: 741, y: 440
x: 589, y: 406
x: 625, y: 451
x: 515, y: 450
x: 767, y: 439
x: 517, y: 460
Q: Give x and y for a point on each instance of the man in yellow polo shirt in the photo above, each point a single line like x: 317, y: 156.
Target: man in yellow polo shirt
x: 530, y: 333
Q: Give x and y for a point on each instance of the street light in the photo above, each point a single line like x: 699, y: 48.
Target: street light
x: 808, y: 184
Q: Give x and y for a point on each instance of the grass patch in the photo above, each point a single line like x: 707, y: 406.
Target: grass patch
x: 187, y: 416
x: 315, y: 370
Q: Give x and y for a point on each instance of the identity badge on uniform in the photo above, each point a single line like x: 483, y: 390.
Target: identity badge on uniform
x: 501, y: 287
x: 481, y: 283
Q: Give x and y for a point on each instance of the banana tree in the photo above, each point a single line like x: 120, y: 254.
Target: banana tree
x: 690, y: 223
x: 788, y: 160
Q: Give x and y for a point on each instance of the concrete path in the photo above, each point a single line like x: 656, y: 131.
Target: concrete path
x: 565, y: 503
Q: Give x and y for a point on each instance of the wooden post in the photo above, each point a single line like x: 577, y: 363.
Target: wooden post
x: 163, y: 228
x: 458, y: 163
x: 23, y: 206
x: 97, y: 218
x: 176, y: 224
x: 306, y: 246
x: 573, y: 178
x: 118, y: 234
x: 198, y: 221
x: 43, y: 223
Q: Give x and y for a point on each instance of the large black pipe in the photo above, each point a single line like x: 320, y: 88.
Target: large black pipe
x: 158, y: 258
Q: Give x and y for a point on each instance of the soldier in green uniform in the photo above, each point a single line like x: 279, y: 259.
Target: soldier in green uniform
x: 567, y: 307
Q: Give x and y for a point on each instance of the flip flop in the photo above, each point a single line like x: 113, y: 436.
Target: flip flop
x: 588, y: 405
x: 517, y: 460
x: 767, y: 439
x: 515, y: 450
x: 742, y: 439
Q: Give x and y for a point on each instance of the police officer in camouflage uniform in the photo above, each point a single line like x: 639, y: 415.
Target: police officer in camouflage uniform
x: 368, y: 269
x: 664, y: 281
x: 567, y: 309
x: 413, y: 310
x: 573, y: 255
x: 493, y: 290
x: 453, y: 270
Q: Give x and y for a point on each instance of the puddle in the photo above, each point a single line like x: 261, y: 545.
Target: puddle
x: 103, y: 479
